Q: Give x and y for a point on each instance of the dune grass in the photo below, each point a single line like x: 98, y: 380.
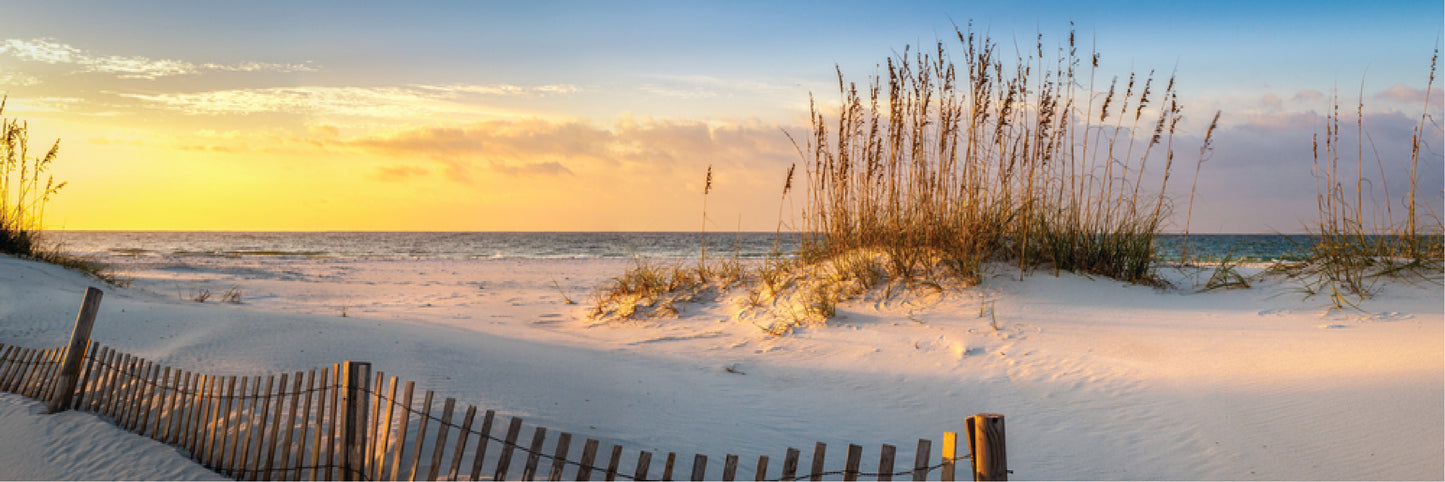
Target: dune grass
x: 26, y: 186
x: 1361, y: 239
x: 936, y: 166
x: 944, y: 165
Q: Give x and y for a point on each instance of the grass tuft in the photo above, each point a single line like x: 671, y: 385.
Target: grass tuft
x: 26, y: 186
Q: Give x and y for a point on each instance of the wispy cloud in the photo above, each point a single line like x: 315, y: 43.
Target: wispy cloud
x: 127, y: 67
x: 379, y: 102
x: 1404, y: 94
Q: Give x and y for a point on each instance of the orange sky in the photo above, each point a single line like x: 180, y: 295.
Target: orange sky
x: 584, y: 116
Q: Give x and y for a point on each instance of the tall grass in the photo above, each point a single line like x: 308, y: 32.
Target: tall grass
x: 1360, y: 237
x: 22, y: 196
x: 944, y: 164
x: 26, y: 186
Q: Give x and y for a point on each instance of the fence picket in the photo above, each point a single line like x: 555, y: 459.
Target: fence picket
x: 396, y: 460
x: 6, y: 363
x: 790, y: 464
x: 37, y: 375
x: 644, y: 459
x: 138, y: 395
x: 559, y: 456
x: 761, y: 473
x: 258, y: 464
x: 920, y: 464
x: 383, y: 436
x: 820, y: 449
x: 374, y: 428
x: 19, y: 365
x: 305, y: 425
x: 529, y: 471
x: 32, y: 356
x: 316, y: 456
x: 286, y: 448
x: 12, y: 363
x: 243, y: 466
x: 505, y: 460
x: 667, y: 467
x: 225, y: 413
x: 439, y: 448
x: 221, y: 421
x: 855, y: 458
x: 127, y: 400
x: 241, y: 417
x: 48, y: 376
x: 158, y: 403
x: 420, y: 435
x: 730, y: 467
x: 613, y: 462
x: 275, y: 432
x: 699, y: 467
x: 950, y: 451
x: 91, y: 381
x: 589, y: 453
x: 331, y: 432
x: 885, y: 462
x: 203, y: 424
x: 461, y: 450
x: 83, y: 388
x: 482, y: 443
x: 155, y: 392
x: 184, y: 427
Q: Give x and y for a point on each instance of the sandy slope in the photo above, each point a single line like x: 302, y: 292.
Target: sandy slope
x: 1099, y: 380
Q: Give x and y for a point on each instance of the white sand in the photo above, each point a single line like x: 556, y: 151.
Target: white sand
x: 1098, y: 380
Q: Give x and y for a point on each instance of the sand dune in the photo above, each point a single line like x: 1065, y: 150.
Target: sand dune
x: 1098, y: 379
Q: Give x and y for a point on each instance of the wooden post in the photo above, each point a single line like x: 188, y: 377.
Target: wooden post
x: 855, y: 458
x: 885, y: 462
x: 353, y: 419
x: 986, y: 442
x: 920, y: 462
x: 950, y: 452
x: 820, y: 450
x: 559, y: 460
x: 79, y: 340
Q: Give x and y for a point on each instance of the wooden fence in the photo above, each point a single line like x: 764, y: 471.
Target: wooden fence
x: 343, y: 423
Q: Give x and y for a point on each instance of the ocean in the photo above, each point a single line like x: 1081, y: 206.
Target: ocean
x: 117, y: 245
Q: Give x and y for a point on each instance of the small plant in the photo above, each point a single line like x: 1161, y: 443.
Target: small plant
x: 199, y: 295
x: 565, y: 299
x: 232, y: 295
x: 1225, y: 276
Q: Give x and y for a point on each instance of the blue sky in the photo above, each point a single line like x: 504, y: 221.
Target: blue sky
x: 265, y: 79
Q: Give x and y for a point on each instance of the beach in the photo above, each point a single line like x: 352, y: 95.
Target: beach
x: 1098, y: 379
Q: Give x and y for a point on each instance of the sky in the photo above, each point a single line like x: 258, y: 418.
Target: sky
x: 605, y: 116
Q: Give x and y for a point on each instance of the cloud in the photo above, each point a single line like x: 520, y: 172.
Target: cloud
x: 1270, y: 100
x: 407, y: 102
x: 132, y: 67
x: 499, y: 89
x: 1307, y: 95
x: 541, y: 148
x: 398, y: 173
x: 17, y: 79
x: 1408, y: 95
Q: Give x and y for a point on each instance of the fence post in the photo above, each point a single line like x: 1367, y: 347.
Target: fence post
x: 986, y: 443
x: 79, y: 341
x: 353, y: 419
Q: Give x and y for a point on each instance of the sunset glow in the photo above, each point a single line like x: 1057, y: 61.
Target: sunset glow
x: 548, y: 116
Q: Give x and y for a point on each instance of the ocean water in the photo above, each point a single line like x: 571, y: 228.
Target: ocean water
x: 503, y: 245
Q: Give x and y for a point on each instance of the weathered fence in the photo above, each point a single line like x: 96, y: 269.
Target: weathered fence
x: 342, y: 422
